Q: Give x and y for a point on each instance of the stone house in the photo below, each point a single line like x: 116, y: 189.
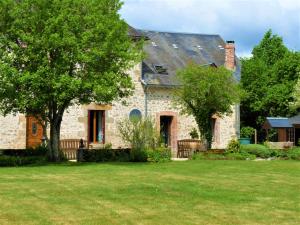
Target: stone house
x: 154, y: 83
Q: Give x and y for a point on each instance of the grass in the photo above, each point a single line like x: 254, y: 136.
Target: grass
x: 193, y: 192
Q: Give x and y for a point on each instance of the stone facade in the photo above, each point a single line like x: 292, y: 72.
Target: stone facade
x: 13, y: 132
x: 159, y: 103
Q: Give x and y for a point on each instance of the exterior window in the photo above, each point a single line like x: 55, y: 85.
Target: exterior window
x: 290, y: 134
x: 96, y: 126
x: 135, y: 114
x: 34, y: 129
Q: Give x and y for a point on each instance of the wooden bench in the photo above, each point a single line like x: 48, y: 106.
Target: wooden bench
x: 186, y: 147
x: 69, y: 147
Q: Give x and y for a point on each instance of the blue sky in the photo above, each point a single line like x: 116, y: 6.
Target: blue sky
x: 244, y: 21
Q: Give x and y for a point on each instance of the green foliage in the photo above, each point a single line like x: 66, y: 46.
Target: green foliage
x: 208, y: 156
x: 138, y: 155
x: 279, y: 153
x: 240, y: 156
x: 269, y: 79
x: 295, y: 105
x: 294, y: 153
x: 140, y: 134
x: 247, y: 132
x: 12, y: 161
x: 206, y: 91
x: 54, y: 54
x: 272, y: 135
x: 258, y: 150
x: 233, y: 146
x: 106, y: 155
x: 226, y: 156
x: 38, y: 151
x: 160, y: 154
x: 194, y: 133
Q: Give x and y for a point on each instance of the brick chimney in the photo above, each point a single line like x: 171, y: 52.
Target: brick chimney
x: 230, y: 55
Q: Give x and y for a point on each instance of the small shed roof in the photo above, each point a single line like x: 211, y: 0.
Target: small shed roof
x: 279, y: 122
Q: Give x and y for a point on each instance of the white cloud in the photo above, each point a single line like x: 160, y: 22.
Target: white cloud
x: 242, y: 20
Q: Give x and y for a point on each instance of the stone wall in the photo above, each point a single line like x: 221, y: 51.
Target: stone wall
x: 13, y: 132
x: 159, y: 102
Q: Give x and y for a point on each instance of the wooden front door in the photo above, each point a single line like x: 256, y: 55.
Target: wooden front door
x: 34, y: 132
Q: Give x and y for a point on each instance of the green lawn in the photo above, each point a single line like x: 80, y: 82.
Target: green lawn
x: 194, y: 192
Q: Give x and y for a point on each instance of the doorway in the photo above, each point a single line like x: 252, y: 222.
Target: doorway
x: 165, y: 129
x: 34, y: 132
x: 297, y: 136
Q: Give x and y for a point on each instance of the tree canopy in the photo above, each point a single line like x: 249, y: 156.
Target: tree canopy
x: 206, y: 92
x: 57, y: 53
x: 269, y: 78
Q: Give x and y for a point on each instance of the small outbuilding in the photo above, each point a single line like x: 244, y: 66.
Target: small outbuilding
x: 279, y: 129
x: 282, y: 129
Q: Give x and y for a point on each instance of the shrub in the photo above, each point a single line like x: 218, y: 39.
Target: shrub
x: 161, y: 154
x: 247, y: 132
x: 194, y: 133
x: 208, y: 156
x: 294, y: 153
x: 279, y: 153
x: 106, y: 155
x: 258, y: 150
x: 6, y: 161
x: 138, y: 155
x: 38, y: 151
x: 240, y: 156
x: 233, y: 146
x: 140, y: 134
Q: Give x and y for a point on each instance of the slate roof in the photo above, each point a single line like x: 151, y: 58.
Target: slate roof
x: 175, y: 50
x: 135, y: 34
x: 295, y: 120
x: 279, y: 122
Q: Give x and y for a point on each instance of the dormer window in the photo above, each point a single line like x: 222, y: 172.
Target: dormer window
x: 160, y: 69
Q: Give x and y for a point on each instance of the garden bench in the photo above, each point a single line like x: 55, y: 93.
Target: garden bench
x: 69, y: 147
x: 186, y: 147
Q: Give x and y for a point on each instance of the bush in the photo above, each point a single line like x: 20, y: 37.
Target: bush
x: 140, y: 134
x: 247, y: 132
x: 106, y: 155
x: 208, y: 156
x: 161, y: 154
x: 240, y: 156
x: 194, y: 133
x: 233, y: 146
x: 6, y: 161
x: 226, y: 156
x: 38, y: 151
x: 138, y: 155
x: 258, y: 150
x: 279, y: 153
x: 294, y: 153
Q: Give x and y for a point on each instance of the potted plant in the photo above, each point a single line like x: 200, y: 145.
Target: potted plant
x: 246, y: 135
x: 195, y: 136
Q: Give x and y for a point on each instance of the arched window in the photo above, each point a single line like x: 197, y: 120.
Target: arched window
x: 135, y: 114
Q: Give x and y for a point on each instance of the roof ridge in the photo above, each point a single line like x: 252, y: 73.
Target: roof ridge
x: 177, y: 32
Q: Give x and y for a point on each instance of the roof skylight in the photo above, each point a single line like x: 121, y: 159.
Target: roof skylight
x: 160, y: 69
x: 154, y: 44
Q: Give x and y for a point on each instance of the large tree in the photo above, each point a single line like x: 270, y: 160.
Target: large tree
x: 57, y: 53
x: 205, y: 92
x: 269, y: 78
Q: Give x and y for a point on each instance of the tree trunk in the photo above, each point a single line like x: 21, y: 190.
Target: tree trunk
x: 205, y: 129
x: 209, y: 133
x: 55, y: 154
